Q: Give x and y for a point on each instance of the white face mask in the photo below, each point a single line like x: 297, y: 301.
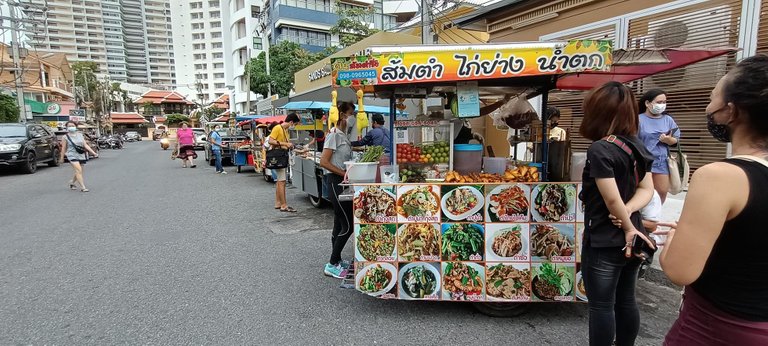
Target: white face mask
x: 72, y: 129
x: 658, y: 108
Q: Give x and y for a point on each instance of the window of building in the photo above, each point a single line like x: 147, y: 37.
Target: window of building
x: 218, y: 75
x: 218, y: 55
x: 198, y: 46
x: 218, y: 65
x: 200, y: 36
x: 195, y: 5
x: 213, y: 3
x: 216, y: 35
x: 198, y: 26
x: 215, y: 14
x: 201, y: 66
x: 196, y: 15
x: 202, y: 56
x: 316, y: 5
x: 218, y: 85
x: 217, y: 45
x: 308, y: 37
x: 201, y: 76
x: 215, y: 24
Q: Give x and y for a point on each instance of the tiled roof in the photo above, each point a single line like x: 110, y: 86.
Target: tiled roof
x: 127, y: 118
x: 161, y: 96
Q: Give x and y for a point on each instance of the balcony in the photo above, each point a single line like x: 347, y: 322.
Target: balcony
x: 310, y: 19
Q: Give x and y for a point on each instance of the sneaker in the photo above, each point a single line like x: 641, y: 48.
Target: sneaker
x: 335, y: 271
x: 345, y: 264
x: 217, y: 172
x: 223, y: 172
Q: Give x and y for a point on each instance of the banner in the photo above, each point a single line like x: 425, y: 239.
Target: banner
x: 461, y: 65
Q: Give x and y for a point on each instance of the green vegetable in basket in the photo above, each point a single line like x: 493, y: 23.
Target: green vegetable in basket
x: 373, y: 154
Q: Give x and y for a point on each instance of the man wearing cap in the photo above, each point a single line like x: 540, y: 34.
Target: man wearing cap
x: 378, y: 135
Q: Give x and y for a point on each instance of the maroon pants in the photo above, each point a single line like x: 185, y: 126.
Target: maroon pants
x: 701, y: 323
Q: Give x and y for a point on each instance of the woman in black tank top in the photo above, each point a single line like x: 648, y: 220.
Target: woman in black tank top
x: 717, y: 248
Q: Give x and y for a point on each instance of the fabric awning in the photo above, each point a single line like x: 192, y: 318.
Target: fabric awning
x: 325, y: 106
x: 630, y: 65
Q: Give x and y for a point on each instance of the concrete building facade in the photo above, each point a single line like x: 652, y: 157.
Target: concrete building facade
x: 130, y: 40
x: 198, y: 35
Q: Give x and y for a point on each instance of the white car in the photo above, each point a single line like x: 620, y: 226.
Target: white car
x: 199, y: 138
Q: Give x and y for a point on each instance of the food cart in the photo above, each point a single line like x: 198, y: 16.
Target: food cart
x: 253, y: 154
x: 306, y: 173
x: 508, y: 237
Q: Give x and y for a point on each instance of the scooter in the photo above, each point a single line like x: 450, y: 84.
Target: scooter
x: 165, y: 143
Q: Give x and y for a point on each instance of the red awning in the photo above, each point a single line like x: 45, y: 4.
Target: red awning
x: 277, y: 118
x: 222, y: 119
x: 630, y: 65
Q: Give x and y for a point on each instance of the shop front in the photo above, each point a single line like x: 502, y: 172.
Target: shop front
x: 651, y: 24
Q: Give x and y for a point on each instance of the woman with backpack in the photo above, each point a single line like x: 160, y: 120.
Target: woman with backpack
x: 616, y: 181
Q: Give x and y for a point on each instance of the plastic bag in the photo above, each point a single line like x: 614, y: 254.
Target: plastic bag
x: 517, y: 113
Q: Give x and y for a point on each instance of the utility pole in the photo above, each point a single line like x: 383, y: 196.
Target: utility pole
x: 248, y: 82
x: 426, y: 26
x: 17, y: 73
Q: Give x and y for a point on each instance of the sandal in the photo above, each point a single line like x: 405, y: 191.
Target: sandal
x: 288, y: 210
x: 193, y: 166
x: 84, y: 190
x: 72, y: 187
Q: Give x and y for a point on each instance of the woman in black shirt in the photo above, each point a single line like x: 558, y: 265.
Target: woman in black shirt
x: 718, y: 247
x: 617, y: 182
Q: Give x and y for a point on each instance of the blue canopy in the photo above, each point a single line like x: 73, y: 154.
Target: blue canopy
x: 326, y: 106
x: 240, y: 118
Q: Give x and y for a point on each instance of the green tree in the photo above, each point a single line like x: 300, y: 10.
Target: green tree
x: 352, y: 25
x: 173, y: 119
x: 90, y: 90
x: 285, y: 59
x: 9, y: 110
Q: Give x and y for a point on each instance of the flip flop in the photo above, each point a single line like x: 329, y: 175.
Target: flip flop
x: 288, y: 210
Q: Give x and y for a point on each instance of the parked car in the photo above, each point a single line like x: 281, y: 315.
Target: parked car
x: 199, y: 138
x: 26, y: 145
x: 133, y: 135
x: 226, y: 153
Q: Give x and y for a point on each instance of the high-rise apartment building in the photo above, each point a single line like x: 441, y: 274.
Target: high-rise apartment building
x: 130, y: 40
x: 199, y: 48
x: 306, y: 22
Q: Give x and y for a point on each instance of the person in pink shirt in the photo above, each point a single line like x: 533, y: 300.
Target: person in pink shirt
x: 185, y: 145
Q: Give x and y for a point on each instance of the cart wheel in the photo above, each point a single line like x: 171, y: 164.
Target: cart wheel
x: 502, y: 309
x: 317, y: 202
x: 238, y: 169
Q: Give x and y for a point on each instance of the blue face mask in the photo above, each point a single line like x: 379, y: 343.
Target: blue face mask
x: 72, y: 129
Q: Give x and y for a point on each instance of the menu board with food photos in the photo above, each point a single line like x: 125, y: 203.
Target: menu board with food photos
x: 509, y: 242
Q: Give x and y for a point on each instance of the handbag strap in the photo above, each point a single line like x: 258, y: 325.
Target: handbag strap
x: 624, y: 147
x: 73, y: 143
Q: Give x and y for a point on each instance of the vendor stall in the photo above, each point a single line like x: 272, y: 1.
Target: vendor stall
x: 254, y: 153
x: 306, y: 173
x: 479, y: 230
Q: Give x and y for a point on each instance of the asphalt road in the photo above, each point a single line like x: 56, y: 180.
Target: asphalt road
x: 157, y: 254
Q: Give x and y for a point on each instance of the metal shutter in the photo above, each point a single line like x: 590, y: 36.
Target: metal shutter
x: 710, y: 24
x: 762, y: 31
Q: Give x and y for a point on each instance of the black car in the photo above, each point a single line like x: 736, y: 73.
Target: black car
x: 26, y: 145
x: 226, y: 153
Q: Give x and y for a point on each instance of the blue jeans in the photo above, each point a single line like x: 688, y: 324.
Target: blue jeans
x: 217, y: 156
x: 610, y: 281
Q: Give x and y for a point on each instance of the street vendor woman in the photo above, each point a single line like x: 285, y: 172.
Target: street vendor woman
x: 378, y: 135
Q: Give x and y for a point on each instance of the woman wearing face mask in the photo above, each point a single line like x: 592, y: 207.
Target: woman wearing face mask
x: 658, y: 131
x: 717, y: 248
x: 337, y: 150
x: 71, y: 145
x: 185, y: 145
x: 348, y: 109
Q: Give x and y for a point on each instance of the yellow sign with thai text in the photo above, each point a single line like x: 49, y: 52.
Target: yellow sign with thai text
x: 487, y: 62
